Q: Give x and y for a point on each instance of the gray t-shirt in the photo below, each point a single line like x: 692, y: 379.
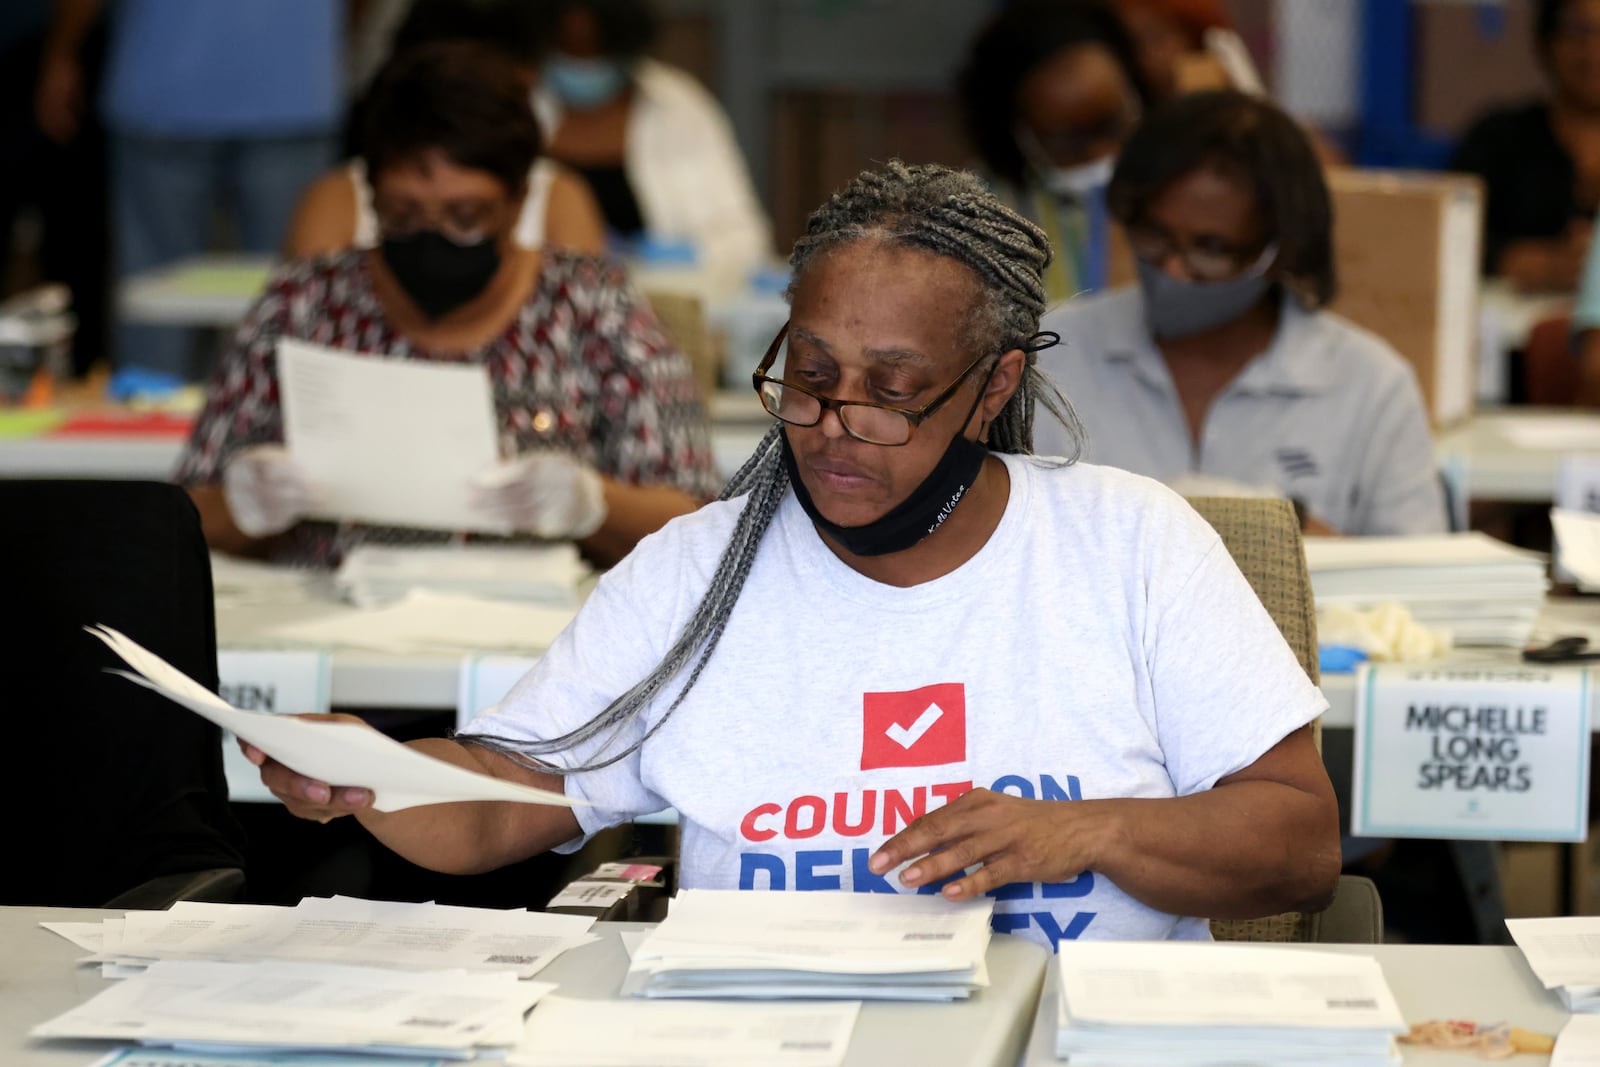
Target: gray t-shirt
x: 1101, y: 644
x: 1328, y: 415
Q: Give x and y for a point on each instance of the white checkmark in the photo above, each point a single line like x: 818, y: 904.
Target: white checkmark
x: 906, y: 736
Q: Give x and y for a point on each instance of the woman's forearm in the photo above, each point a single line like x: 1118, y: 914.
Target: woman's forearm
x: 633, y: 512
x: 470, y: 838
x: 1241, y: 850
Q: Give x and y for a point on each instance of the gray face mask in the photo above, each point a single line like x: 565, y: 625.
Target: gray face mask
x: 1175, y: 308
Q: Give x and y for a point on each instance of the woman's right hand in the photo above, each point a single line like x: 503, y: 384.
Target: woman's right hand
x: 267, y: 491
x: 307, y: 798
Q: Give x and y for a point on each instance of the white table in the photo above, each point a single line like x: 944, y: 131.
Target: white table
x: 38, y: 980
x: 1494, y: 466
x: 1561, y: 617
x: 1484, y: 984
x: 737, y: 425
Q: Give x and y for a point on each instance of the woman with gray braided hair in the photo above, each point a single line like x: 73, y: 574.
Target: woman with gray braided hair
x: 905, y: 655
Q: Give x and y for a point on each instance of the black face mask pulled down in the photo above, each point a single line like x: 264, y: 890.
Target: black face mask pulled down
x: 915, y: 517
x: 438, y: 274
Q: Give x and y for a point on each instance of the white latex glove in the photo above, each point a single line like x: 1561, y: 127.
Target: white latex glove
x: 267, y: 491
x: 548, y: 494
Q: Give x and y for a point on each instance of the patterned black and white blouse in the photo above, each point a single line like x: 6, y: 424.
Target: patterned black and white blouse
x: 583, y: 367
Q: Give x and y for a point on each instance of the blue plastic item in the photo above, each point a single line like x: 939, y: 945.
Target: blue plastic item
x: 129, y: 382
x: 656, y: 251
x: 1339, y: 659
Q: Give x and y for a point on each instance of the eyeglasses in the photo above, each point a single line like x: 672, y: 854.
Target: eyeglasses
x: 1206, y: 263
x: 875, y: 424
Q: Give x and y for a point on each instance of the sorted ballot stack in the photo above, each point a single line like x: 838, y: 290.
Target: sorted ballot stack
x: 836, y: 946
x: 343, y: 930
x: 373, y: 575
x: 1564, y: 954
x: 335, y: 974
x: 1169, y: 1004
x: 1482, y: 591
x: 308, y: 1007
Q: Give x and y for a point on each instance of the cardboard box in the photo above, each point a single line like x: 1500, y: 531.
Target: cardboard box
x: 1408, y: 245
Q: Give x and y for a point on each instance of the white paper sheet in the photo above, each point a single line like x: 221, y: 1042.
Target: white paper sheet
x: 166, y: 1057
x: 1578, y: 1043
x: 564, y: 1032
x: 90, y: 937
x: 298, y: 1005
x: 388, y: 441
x: 434, y: 623
x: 335, y: 752
x: 1578, y: 534
x: 590, y: 894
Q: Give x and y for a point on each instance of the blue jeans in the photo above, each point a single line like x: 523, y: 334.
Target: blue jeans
x: 166, y: 192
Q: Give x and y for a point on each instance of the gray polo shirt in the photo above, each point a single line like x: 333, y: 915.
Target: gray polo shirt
x: 1328, y: 415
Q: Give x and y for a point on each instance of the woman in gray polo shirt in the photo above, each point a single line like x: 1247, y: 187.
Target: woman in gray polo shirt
x: 1222, y: 365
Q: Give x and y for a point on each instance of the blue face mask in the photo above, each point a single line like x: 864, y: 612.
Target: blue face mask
x: 583, y: 84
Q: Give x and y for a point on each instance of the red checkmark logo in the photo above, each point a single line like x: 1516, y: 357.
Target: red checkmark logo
x: 915, y: 728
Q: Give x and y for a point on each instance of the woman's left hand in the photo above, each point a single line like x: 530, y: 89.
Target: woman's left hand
x: 548, y: 494
x: 1009, y: 839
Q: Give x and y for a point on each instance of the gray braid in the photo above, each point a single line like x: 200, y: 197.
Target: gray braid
x: 943, y: 211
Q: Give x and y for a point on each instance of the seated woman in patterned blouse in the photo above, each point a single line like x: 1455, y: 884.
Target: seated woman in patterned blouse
x: 605, y: 433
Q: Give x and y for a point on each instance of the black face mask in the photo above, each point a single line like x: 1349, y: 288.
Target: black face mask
x: 915, y: 517
x: 438, y: 274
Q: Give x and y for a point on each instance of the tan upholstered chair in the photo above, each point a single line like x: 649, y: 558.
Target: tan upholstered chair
x: 1263, y: 536
x: 683, y: 317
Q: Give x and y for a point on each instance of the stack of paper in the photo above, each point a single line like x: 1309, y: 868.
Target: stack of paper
x: 427, y: 623
x: 1482, y: 591
x: 1173, y: 1004
x: 837, y: 946
x: 304, y: 1006
x: 342, y: 930
x: 374, y: 575
x: 617, y: 1033
x: 1564, y: 953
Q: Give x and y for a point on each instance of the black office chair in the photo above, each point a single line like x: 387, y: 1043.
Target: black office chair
x: 114, y: 795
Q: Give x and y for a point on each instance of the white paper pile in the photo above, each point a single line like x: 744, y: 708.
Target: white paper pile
x: 1564, y: 953
x: 1482, y: 591
x: 837, y: 946
x: 342, y: 753
x: 374, y: 575
x: 342, y: 930
x: 619, y: 1033
x: 1175, y: 1004
x: 306, y: 1006
x: 1578, y: 541
x: 427, y: 623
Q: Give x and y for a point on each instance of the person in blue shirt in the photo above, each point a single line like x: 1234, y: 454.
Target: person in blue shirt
x: 210, y: 106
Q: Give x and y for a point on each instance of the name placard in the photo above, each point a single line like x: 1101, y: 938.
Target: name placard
x: 485, y: 680
x: 292, y: 683
x: 1461, y: 752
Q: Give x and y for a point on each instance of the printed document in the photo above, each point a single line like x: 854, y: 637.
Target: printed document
x: 563, y: 1032
x: 389, y: 441
x: 339, y: 753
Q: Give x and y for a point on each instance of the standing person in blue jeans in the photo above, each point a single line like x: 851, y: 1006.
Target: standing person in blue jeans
x: 230, y: 107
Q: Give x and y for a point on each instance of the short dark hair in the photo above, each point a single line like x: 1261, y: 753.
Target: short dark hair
x: 1238, y: 134
x: 1547, y: 24
x: 464, y: 100
x: 509, y: 26
x: 1010, y: 47
x: 627, y: 27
